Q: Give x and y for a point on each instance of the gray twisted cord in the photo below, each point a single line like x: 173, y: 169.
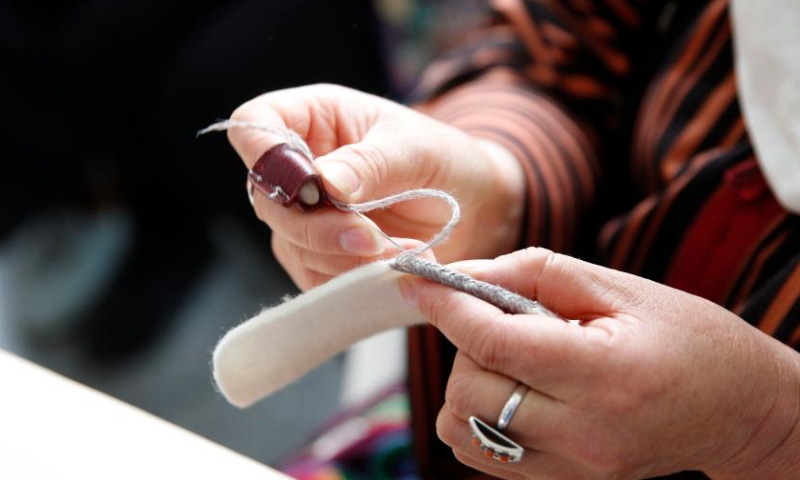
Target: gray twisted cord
x: 500, y: 297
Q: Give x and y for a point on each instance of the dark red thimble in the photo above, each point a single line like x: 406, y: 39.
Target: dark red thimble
x: 285, y: 175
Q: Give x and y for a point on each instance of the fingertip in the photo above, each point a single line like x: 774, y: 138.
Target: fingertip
x: 472, y: 267
x: 253, y: 130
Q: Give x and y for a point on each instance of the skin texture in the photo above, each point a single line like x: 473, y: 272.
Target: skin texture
x: 652, y: 381
x: 368, y: 148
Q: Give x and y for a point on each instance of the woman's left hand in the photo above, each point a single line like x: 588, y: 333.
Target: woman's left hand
x: 651, y: 382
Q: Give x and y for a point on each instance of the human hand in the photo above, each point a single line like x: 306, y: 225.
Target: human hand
x: 652, y: 381
x: 368, y: 148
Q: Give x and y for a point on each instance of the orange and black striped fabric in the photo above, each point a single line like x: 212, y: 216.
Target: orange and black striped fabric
x: 625, y: 116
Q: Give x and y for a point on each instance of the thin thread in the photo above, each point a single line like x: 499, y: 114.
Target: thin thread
x: 291, y: 137
x: 277, y: 192
x: 409, y: 261
x: 444, y: 233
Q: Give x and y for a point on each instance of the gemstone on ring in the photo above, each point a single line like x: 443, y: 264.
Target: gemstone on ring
x: 493, y: 443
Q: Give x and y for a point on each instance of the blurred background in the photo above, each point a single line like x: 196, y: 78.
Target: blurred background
x: 127, y: 246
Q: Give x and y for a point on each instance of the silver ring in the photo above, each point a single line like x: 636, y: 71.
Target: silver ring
x: 251, y: 192
x: 494, y: 444
x: 510, y: 408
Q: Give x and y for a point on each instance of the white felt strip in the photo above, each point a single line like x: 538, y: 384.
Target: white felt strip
x: 283, y: 343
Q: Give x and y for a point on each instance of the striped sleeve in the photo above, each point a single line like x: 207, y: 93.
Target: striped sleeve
x: 544, y: 81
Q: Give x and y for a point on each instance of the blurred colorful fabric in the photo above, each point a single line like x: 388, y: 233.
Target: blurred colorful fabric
x: 371, y: 442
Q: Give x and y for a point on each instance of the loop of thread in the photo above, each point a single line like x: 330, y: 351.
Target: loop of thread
x: 444, y: 233
x: 409, y: 261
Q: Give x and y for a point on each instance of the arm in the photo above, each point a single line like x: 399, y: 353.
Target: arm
x: 773, y: 451
x: 544, y: 86
x: 544, y: 81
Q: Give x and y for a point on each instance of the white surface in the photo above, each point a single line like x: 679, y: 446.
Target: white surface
x: 284, y: 343
x: 372, y: 366
x: 172, y: 379
x: 52, y: 427
x: 767, y: 47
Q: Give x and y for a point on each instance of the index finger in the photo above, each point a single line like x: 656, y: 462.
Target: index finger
x: 537, y: 350
x: 251, y: 143
x: 294, y: 109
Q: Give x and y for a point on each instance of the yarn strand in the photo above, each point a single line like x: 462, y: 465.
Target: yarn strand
x: 409, y: 261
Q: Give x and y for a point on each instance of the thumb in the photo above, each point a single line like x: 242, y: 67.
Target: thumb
x: 566, y: 285
x: 379, y: 165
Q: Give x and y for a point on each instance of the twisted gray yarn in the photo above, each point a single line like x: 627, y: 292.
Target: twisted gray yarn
x: 498, y: 296
x: 409, y: 261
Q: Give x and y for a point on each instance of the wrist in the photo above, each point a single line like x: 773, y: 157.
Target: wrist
x: 773, y: 449
x: 508, y: 206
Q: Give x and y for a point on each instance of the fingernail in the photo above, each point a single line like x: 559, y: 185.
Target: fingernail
x: 471, y: 266
x: 362, y: 241
x: 408, y: 291
x: 341, y: 176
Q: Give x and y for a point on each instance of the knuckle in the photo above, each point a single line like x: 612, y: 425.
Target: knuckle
x: 617, y: 294
x: 446, y: 428
x: 612, y: 464
x: 304, y: 257
x: 320, y: 232
x: 460, y: 456
x: 315, y: 279
x: 315, y: 234
x: 490, y: 346
x: 261, y: 212
x: 302, y: 282
x: 632, y: 401
x: 266, y: 211
x: 458, y: 395
x: 373, y: 162
x: 281, y: 249
x: 465, y: 459
x: 552, y: 261
x: 297, y: 262
x: 535, y: 261
x: 287, y: 259
x: 434, y: 308
x: 307, y: 235
x: 529, y: 255
x: 279, y: 256
x: 305, y: 280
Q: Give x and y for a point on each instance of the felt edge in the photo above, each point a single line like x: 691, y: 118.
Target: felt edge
x: 226, y: 363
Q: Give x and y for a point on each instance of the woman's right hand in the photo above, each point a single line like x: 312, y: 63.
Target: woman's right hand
x: 367, y: 148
